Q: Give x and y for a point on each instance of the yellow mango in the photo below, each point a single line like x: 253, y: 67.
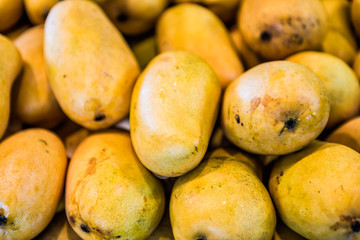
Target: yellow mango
x: 35, y: 101
x: 10, y: 12
x: 109, y: 193
x: 37, y: 10
x: 316, y: 191
x: 222, y: 198
x: 90, y: 66
x: 10, y: 66
x: 193, y: 28
x: 33, y: 164
x: 173, y: 110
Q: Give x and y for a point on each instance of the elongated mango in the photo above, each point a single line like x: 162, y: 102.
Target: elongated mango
x: 90, y: 66
x: 33, y: 164
x: 173, y: 110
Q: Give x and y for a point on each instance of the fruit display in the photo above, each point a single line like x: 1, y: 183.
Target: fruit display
x: 180, y: 119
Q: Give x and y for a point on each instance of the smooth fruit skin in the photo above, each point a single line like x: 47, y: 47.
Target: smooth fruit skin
x: 222, y: 198
x: 109, y: 193
x: 274, y: 29
x: 10, y: 66
x: 33, y: 165
x: 316, y: 191
x: 91, y: 68
x: 275, y: 108
x: 10, y: 12
x: 341, y: 83
x: 199, y: 31
x: 35, y: 100
x: 174, y: 107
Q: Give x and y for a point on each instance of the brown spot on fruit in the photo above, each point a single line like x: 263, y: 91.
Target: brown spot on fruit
x: 91, y: 169
x: 355, y: 226
x: 84, y: 228
x: 72, y: 220
x: 3, y: 220
x: 237, y: 118
x: 145, y: 199
x: 201, y: 237
x: 289, y: 124
x: 99, y: 117
x: 265, y: 36
x: 278, y: 177
x: 254, y: 103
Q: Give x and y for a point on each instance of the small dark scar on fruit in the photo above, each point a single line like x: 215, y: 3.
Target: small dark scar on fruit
x: 3, y: 220
x: 64, y: 76
x: 98, y: 230
x: 196, y: 149
x: 201, y: 237
x: 119, y: 236
x: 84, y: 228
x: 99, y: 117
x: 278, y: 177
x: 72, y: 220
x: 265, y: 36
x: 237, y: 118
x: 355, y: 226
x: 43, y: 141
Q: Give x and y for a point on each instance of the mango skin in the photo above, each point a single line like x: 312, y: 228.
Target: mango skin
x: 90, y: 67
x: 109, y: 193
x: 275, y: 108
x: 10, y: 13
x: 195, y: 26
x: 35, y: 101
x: 274, y: 29
x: 340, y: 80
x: 316, y: 191
x: 222, y: 198
x: 174, y: 107
x: 37, y: 10
x: 10, y: 66
x: 33, y: 165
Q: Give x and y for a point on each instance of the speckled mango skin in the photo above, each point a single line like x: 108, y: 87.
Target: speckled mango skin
x: 90, y: 67
x: 35, y: 101
x: 340, y: 81
x: 223, y: 198
x: 280, y: 27
x: 174, y: 107
x: 195, y: 26
x: 33, y: 165
x: 10, y: 66
x: 275, y: 108
x: 316, y: 191
x: 109, y: 194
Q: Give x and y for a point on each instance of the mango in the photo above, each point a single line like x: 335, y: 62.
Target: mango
x: 316, y: 191
x: 35, y: 100
x: 109, y: 193
x: 37, y: 10
x: 10, y: 66
x: 10, y: 13
x: 199, y: 31
x: 222, y: 198
x: 90, y: 66
x: 33, y: 165
x: 173, y: 110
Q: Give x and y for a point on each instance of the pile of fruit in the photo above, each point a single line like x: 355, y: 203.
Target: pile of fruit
x: 179, y: 119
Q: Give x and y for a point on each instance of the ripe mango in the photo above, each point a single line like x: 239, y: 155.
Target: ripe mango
x: 316, y: 191
x: 10, y: 66
x: 174, y: 107
x: 222, y: 198
x: 90, y: 67
x: 109, y: 193
x: 35, y: 101
x: 193, y: 28
x: 33, y: 165
x: 10, y: 12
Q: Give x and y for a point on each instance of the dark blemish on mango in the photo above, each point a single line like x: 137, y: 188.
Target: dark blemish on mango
x: 99, y: 117
x: 43, y: 141
x: 289, y: 124
x: 72, y: 220
x: 3, y: 220
x: 118, y: 236
x: 145, y: 199
x: 201, y: 237
x: 355, y: 226
x: 64, y: 76
x: 98, y: 230
x: 265, y: 36
x: 296, y: 39
x: 303, y: 26
x: 237, y: 118
x: 122, y: 17
x: 196, y: 149
x: 278, y: 177
x: 242, y: 124
x: 84, y: 228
